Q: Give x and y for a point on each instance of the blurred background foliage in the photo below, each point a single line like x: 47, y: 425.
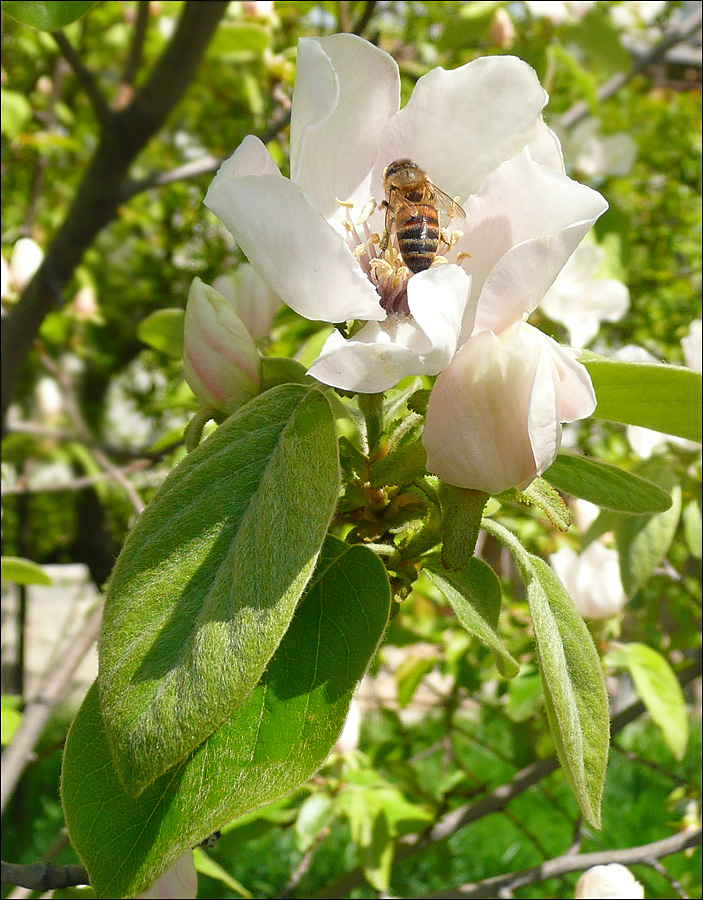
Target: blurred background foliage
x: 439, y: 728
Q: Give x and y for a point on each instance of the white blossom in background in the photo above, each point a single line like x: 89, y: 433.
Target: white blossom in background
x: 501, y: 32
x: 592, y: 579
x: 691, y: 345
x: 26, y: 258
x: 580, y: 299
x: 559, y: 11
x: 611, y: 882
x: 314, y: 240
x: 596, y: 155
x: 49, y: 399
x: 348, y: 740
x: 250, y: 299
x: 180, y: 882
x: 584, y: 513
x: 635, y: 20
x: 220, y: 361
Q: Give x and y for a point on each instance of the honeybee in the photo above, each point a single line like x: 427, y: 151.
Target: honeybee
x: 413, y: 208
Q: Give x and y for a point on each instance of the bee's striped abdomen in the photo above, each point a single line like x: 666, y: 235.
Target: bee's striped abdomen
x: 418, y: 238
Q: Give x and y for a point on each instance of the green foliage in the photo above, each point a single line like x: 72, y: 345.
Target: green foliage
x: 46, y: 15
x: 272, y: 742
x: 202, y: 594
x: 23, y: 571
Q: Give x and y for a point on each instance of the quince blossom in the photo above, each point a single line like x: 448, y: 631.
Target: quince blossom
x: 611, y: 882
x: 315, y: 241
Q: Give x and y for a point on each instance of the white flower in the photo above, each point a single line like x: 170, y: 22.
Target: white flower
x: 493, y: 420
x: 180, y: 882
x: 611, y: 882
x: 478, y: 133
x: 220, y: 360
x: 580, y: 300
x: 592, y: 579
x: 595, y: 154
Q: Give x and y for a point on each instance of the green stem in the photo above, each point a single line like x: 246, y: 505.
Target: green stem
x: 371, y: 406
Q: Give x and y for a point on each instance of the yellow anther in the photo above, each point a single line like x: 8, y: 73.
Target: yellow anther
x: 347, y: 204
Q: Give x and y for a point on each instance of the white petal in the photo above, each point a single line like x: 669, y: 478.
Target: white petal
x: 691, y: 345
x: 345, y: 91
x: 379, y: 356
x: 477, y: 431
x: 253, y: 302
x: 180, y: 882
x: 250, y: 158
x: 296, y: 252
x: 520, y: 230
x: 575, y: 395
x: 26, y: 258
x: 545, y: 147
x: 460, y: 125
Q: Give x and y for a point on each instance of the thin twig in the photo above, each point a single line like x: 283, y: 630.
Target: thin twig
x: 343, y: 16
x: 496, y: 801
x: 197, y: 167
x: 74, y: 413
x: 581, y: 110
x: 129, y: 75
x: 60, y: 842
x: 100, y: 106
x: 53, y: 688
x: 58, y: 434
x: 76, y: 484
x: 676, y: 885
x: 562, y: 865
x: 365, y: 17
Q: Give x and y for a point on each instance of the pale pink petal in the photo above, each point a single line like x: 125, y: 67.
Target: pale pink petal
x: 520, y: 230
x: 575, y: 394
x: 253, y: 302
x: 460, y: 125
x: 296, y: 252
x: 180, y: 882
x: 477, y: 429
x: 345, y: 91
x: 380, y: 355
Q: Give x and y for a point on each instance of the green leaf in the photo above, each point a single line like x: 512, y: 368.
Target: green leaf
x: 663, y: 398
x: 16, y: 112
x: 46, y: 15
x: 371, y: 834
x: 208, y: 580
x: 461, y: 522
x: 572, y: 677
x: 607, y: 486
x: 524, y: 697
x: 11, y: 717
x: 475, y: 596
x: 400, y: 466
x: 659, y: 690
x: 316, y: 813
x: 163, y: 330
x: 273, y: 742
x: 692, y: 528
x: 206, y: 865
x: 22, y: 571
x: 643, y: 541
x: 541, y: 494
x: 409, y: 675
x: 240, y: 41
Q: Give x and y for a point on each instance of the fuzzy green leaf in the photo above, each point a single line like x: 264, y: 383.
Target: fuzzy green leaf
x: 208, y: 580
x: 46, y: 15
x: 572, y: 677
x: 273, y: 742
x: 607, y: 486
x: 663, y: 398
x: 475, y: 596
x: 163, y: 330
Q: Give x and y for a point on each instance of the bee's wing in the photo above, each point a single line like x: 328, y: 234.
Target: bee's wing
x: 393, y: 206
x: 446, y: 204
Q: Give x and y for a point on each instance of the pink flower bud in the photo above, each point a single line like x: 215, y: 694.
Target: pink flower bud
x: 252, y: 301
x: 221, y: 363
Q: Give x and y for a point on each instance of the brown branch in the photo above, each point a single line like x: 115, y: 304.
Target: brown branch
x: 99, y: 195
x: 343, y: 16
x: 494, y: 802
x: 55, y: 683
x: 581, y: 110
x: 562, y: 865
x: 101, y: 108
x: 43, y: 877
x: 57, y: 434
